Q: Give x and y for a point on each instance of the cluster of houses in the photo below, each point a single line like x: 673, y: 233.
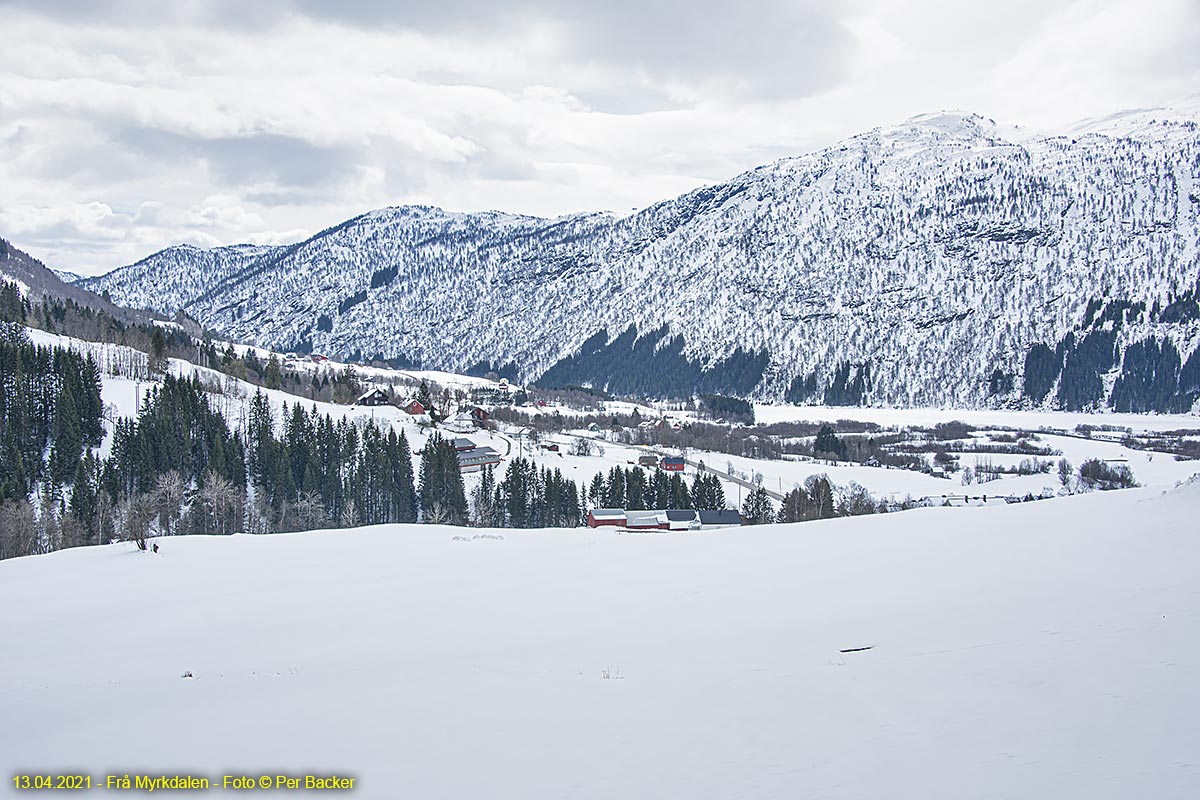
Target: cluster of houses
x: 670, y: 519
x: 667, y: 463
x: 463, y: 422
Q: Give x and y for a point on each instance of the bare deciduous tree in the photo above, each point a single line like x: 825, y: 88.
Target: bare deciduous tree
x: 220, y: 497
x: 309, y: 511
x: 349, y: 516
x: 168, y: 496
x: 134, y: 516
x: 437, y: 515
x: 18, y: 529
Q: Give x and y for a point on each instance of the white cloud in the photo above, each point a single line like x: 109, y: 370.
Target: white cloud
x: 125, y: 128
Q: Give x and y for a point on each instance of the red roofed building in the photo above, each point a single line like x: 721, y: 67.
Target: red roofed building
x: 598, y: 517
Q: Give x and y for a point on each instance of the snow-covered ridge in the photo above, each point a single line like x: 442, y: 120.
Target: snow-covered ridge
x: 937, y: 250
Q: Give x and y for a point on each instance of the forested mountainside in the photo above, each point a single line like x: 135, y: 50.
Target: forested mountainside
x: 941, y: 261
x: 37, y: 282
x: 165, y: 281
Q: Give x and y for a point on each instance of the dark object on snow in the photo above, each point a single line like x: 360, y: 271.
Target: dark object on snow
x: 156, y: 547
x: 856, y: 649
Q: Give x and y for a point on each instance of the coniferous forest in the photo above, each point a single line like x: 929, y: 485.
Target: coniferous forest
x: 50, y: 406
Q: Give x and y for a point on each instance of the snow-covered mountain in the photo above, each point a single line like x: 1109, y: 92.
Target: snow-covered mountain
x: 915, y: 264
x: 169, y: 279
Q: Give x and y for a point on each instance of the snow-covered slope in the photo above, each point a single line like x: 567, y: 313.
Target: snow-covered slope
x: 164, y: 281
x: 936, y: 252
x: 1012, y: 649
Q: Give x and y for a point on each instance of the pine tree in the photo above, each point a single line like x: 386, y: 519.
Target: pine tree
x: 615, y: 497
x: 68, y: 438
x: 158, y: 351
x: 796, y: 506
x: 597, y: 493
x: 83, y: 502
x: 406, y: 494
x: 515, y: 499
x: 635, y: 489
x: 484, y: 500
x: 677, y: 492
x: 758, y: 509
x: 820, y: 493
x: 442, y: 494
x: 424, y: 396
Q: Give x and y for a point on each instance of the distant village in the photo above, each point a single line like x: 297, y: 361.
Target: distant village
x: 473, y: 457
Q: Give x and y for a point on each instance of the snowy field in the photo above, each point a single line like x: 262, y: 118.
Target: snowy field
x: 1039, y: 650
x: 927, y: 417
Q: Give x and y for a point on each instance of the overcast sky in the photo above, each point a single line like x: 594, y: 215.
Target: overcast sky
x: 126, y: 127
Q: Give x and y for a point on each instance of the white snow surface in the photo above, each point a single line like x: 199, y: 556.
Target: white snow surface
x: 1043, y: 649
x: 1012, y: 418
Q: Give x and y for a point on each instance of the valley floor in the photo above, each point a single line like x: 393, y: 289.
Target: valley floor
x: 1035, y: 650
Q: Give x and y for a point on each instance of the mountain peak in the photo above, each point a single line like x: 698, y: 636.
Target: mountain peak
x: 958, y: 124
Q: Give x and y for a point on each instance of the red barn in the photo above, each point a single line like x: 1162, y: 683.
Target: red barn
x: 672, y: 463
x: 606, y: 516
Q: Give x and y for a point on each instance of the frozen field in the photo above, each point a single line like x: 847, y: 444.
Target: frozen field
x: 1043, y: 649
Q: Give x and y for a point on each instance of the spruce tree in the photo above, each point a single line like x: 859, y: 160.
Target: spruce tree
x: 758, y: 509
x: 83, y: 501
x: 68, y: 438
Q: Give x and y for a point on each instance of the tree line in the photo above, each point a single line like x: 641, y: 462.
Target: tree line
x: 51, y: 409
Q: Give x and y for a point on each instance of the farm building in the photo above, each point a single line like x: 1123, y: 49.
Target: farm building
x: 414, y: 407
x: 648, y: 461
x: 683, y: 519
x: 477, y: 458
x: 375, y: 397
x: 672, y: 463
x: 459, y: 423
x: 725, y: 518
x: 598, y: 517
x: 645, y: 520
x: 462, y: 445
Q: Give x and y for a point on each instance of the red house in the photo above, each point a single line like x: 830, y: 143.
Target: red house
x: 606, y: 516
x: 414, y: 407
x: 672, y: 463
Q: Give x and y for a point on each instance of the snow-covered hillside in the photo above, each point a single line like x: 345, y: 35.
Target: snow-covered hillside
x: 935, y: 253
x: 125, y: 385
x: 1012, y: 651
x: 184, y: 270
